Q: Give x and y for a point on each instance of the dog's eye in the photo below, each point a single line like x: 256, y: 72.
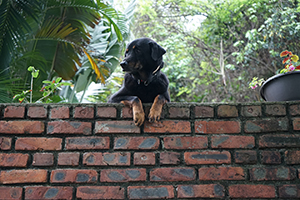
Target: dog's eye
x: 137, y: 50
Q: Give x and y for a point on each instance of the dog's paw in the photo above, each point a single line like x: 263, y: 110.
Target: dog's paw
x: 139, y: 118
x: 154, y: 115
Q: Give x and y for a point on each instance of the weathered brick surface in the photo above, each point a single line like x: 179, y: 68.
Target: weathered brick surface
x: 232, y: 142
x: 151, y: 192
x: 42, y: 143
x: 13, y: 160
x: 46, y: 192
x: 11, y: 193
x: 100, y: 192
x: 14, y: 112
x: 201, y: 191
x: 252, y: 191
x: 173, y: 174
x: 21, y: 127
x: 144, y: 158
x: 280, y: 173
x: 221, y: 173
x: 43, y: 159
x: 23, y: 176
x: 5, y: 143
x: 72, y: 127
x: 106, y: 112
x: 84, y: 112
x: 245, y: 157
x: 169, y: 158
x: 168, y: 127
x: 106, y: 159
x: 110, y: 127
x: 196, y: 151
x: 137, y: 143
x: 227, y: 111
x: 37, y: 112
x: 197, y: 142
x: 217, y: 127
x: 73, y: 176
x: 123, y: 175
x: 84, y: 143
x: 266, y: 125
x: 207, y: 157
x: 68, y: 159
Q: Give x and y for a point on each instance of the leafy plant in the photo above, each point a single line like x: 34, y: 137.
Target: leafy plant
x: 48, y: 90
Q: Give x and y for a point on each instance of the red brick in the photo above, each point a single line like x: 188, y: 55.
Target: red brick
x: 289, y: 191
x: 37, y: 112
x: 71, y: 127
x: 173, y: 174
x: 68, y: 159
x: 43, y: 159
x: 21, y: 127
x: 272, y: 174
x: 151, y: 192
x: 144, y: 158
x: 296, y: 124
x: 100, y: 192
x: 14, y: 112
x: 168, y: 127
x: 275, y: 110
x: 270, y: 157
x: 23, y: 176
x: 169, y: 158
x: 188, y: 142
x: 13, y: 160
x: 251, y: 111
x: 34, y: 143
x: 106, y: 159
x: 227, y: 111
x: 217, y: 127
x: 48, y: 192
x: 136, y: 143
x: 279, y: 141
x: 73, y: 176
x: 294, y: 109
x: 84, y: 112
x: 292, y: 157
x: 230, y: 142
x: 201, y: 191
x: 266, y: 125
x: 62, y: 112
x: 86, y: 143
x: 221, y: 173
x: 106, y: 112
x: 126, y: 113
x: 123, y: 175
x: 11, y: 193
x: 252, y: 191
x: 5, y: 143
x: 246, y: 157
x: 111, y: 127
x: 204, y: 112
x: 207, y: 157
x: 179, y: 112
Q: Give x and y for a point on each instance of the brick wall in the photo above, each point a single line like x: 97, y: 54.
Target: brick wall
x: 199, y: 151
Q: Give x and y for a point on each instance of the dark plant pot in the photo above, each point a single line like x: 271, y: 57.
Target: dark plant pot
x: 282, y: 87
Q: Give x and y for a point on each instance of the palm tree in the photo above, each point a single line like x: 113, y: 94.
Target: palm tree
x: 53, y: 36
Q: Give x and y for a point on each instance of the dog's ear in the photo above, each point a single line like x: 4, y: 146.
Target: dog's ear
x: 156, y: 50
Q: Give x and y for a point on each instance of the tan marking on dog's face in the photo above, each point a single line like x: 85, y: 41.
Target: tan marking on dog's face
x: 133, y: 47
x: 138, y: 65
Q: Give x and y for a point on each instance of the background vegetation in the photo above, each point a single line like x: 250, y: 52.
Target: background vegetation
x: 214, y: 48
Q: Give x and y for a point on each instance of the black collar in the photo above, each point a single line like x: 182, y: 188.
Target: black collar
x: 154, y: 73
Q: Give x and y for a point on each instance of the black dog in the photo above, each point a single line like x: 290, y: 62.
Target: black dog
x: 144, y: 82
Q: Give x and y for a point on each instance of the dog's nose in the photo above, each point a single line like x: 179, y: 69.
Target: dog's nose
x: 123, y: 63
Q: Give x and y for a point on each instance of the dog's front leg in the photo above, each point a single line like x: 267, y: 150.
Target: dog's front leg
x: 156, y: 108
x: 137, y: 110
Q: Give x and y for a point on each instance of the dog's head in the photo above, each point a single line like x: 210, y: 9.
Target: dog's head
x: 143, y: 56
